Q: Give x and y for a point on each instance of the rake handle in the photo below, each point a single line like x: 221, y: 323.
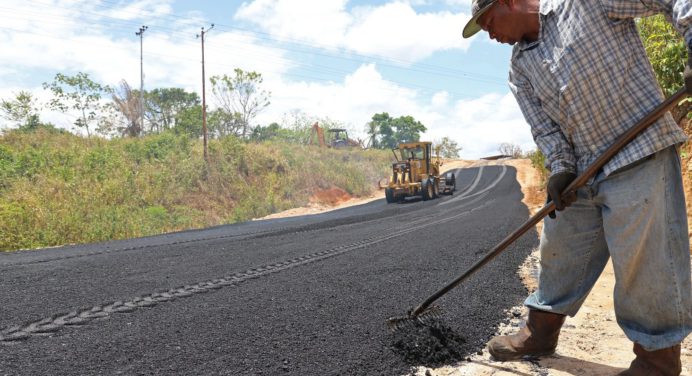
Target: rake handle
x: 581, y: 180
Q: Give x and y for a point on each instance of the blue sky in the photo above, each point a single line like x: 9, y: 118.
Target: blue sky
x: 341, y: 59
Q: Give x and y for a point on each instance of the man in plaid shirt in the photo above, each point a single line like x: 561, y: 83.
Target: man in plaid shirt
x: 581, y: 77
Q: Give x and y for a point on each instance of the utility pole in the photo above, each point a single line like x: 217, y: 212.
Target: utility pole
x: 140, y: 33
x: 204, y: 97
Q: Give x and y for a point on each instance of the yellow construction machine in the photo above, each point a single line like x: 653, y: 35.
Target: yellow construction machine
x: 416, y: 174
x: 338, y: 137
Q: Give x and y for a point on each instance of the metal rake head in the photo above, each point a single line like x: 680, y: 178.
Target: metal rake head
x: 428, y: 315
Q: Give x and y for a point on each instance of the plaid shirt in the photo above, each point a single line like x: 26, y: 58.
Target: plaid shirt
x: 586, y: 80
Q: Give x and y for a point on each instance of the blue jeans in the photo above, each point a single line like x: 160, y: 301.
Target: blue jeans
x: 637, y: 217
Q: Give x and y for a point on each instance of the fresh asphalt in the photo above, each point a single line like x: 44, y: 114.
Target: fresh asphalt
x: 297, y: 296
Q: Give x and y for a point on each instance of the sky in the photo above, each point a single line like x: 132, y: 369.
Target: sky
x: 345, y: 60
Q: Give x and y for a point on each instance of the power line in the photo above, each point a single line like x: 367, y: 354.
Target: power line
x: 288, y: 74
x: 331, y: 69
x: 411, y: 65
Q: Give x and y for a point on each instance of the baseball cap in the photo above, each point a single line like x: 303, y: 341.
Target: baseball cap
x: 478, y: 7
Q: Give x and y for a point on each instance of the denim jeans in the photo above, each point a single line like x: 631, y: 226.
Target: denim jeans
x: 637, y: 217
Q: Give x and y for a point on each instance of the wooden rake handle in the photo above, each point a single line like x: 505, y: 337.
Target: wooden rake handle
x: 580, y: 181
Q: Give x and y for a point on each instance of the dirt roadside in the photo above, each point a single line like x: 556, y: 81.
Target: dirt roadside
x: 591, y: 343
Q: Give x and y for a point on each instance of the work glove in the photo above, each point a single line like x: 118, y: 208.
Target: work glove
x: 556, y: 184
x: 687, y: 75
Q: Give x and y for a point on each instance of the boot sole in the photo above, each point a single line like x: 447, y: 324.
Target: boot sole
x: 506, y: 356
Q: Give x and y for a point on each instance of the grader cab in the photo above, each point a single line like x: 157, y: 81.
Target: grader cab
x: 415, y: 173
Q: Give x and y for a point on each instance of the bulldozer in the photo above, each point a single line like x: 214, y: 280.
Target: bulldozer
x: 415, y: 173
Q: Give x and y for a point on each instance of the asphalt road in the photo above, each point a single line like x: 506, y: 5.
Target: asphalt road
x: 297, y: 296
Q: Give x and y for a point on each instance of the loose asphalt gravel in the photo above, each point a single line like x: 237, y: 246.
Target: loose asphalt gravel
x: 297, y: 296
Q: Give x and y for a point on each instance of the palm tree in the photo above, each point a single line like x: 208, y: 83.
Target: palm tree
x: 373, y: 131
x: 128, y: 104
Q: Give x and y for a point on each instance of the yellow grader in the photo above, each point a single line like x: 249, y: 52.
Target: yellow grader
x: 416, y: 174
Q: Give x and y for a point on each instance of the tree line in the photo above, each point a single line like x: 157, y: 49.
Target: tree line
x: 122, y: 111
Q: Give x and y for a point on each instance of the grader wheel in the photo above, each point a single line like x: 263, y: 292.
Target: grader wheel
x: 428, y: 188
x: 451, y: 181
x: 389, y: 195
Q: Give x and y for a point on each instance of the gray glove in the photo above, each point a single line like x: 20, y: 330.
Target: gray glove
x: 556, y: 184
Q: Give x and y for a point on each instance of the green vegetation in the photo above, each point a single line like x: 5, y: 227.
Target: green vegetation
x: 538, y: 162
x: 667, y: 52
x: 447, y: 148
x: 386, y: 132
x: 57, y: 188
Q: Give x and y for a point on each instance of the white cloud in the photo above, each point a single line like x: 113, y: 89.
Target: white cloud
x: 353, y: 101
x: 393, y: 30
x: 440, y: 99
x: 142, y: 10
x: 60, y: 39
x: 478, y: 125
x: 323, y: 22
x: 484, y: 123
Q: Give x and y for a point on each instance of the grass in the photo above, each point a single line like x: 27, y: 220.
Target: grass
x: 58, y: 188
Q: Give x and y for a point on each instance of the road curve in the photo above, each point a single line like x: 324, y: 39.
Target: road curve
x: 299, y: 296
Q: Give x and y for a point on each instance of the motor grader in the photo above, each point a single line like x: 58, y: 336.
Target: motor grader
x: 416, y: 174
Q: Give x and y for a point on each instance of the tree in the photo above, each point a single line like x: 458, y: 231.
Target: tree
x: 126, y: 102
x: 408, y: 129
x: 21, y: 110
x: 667, y: 52
x: 78, y: 93
x: 389, y: 132
x: 510, y: 149
x: 162, y: 106
x: 372, y: 130
x: 260, y: 133
x: 382, y: 122
x: 221, y: 123
x: 240, y: 97
x: 447, y: 148
x: 189, y: 121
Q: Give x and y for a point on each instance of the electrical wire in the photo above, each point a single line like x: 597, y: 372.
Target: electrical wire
x: 402, y: 64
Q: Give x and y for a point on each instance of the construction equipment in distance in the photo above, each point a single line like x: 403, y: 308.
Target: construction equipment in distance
x: 338, y: 137
x: 416, y: 174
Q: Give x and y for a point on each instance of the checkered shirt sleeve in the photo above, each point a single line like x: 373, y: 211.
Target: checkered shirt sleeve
x: 546, y: 133
x: 587, y: 80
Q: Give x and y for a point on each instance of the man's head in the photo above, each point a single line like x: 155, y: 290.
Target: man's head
x: 506, y: 21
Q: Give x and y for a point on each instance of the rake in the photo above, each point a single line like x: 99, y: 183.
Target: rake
x: 426, y: 312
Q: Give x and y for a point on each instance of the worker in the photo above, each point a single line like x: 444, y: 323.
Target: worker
x: 581, y: 77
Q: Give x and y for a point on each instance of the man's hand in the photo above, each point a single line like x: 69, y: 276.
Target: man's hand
x: 687, y: 75
x: 556, y: 184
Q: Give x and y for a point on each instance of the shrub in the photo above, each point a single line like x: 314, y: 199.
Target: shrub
x: 60, y: 189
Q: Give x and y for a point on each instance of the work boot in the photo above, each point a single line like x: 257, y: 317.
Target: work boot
x: 664, y: 362
x: 538, y: 337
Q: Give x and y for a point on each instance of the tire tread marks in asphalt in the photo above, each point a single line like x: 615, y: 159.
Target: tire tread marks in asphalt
x: 85, y: 315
